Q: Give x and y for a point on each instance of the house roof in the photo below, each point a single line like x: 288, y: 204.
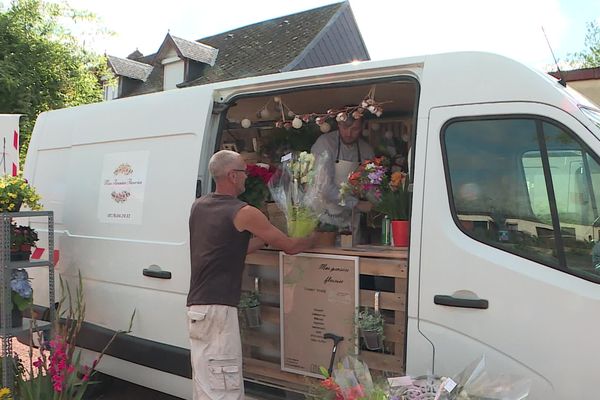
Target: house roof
x: 582, y: 74
x: 265, y: 47
x: 301, y: 40
x: 187, y: 49
x: 130, y: 68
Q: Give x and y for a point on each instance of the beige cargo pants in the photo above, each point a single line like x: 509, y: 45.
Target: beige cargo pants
x: 216, y: 352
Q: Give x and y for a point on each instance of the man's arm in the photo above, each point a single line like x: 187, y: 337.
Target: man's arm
x: 253, y: 220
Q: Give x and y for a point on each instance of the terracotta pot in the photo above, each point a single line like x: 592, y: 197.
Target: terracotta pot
x: 400, y: 233
x: 325, y: 239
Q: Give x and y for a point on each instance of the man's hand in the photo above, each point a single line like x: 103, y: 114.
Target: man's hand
x: 364, y: 206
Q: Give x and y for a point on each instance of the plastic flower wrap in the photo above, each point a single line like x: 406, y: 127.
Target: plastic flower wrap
x: 473, y: 383
x: 296, y: 190
x: 351, y: 380
x: 375, y: 182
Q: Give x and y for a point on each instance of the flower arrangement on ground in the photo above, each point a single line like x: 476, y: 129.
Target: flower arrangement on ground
x: 21, y: 291
x: 256, y: 192
x: 58, y: 373
x: 15, y: 191
x: 350, y: 380
x: 296, y: 191
x: 374, y: 181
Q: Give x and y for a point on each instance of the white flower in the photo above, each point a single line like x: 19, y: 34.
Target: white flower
x: 263, y: 165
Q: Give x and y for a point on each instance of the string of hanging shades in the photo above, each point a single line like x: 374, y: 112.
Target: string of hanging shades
x: 290, y: 119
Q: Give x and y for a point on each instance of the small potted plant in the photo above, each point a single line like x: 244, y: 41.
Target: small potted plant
x: 22, y: 239
x: 15, y: 191
x: 370, y: 324
x: 21, y: 295
x: 250, y: 305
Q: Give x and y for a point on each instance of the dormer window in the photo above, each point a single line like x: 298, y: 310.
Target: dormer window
x: 173, y: 72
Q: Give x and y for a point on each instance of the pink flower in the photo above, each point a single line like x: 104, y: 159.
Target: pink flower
x: 38, y: 363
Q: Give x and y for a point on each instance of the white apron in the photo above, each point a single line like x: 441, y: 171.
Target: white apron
x: 336, y: 214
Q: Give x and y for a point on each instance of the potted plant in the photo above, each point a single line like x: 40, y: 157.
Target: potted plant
x: 370, y: 324
x: 22, y: 239
x: 15, y: 191
x: 250, y: 305
x: 394, y: 204
x: 374, y: 181
x: 21, y: 295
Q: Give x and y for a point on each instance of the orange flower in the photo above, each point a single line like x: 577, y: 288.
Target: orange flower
x: 397, y: 179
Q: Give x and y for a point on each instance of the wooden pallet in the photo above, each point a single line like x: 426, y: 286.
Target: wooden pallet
x: 261, y: 346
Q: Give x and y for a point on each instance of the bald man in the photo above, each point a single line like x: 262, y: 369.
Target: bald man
x: 221, y: 226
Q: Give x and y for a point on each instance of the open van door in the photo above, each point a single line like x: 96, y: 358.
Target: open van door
x: 121, y: 177
x: 510, y: 218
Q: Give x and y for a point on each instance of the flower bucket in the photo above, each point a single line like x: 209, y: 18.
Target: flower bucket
x: 400, y: 233
x: 16, y: 317
x: 371, y: 339
x: 253, y: 316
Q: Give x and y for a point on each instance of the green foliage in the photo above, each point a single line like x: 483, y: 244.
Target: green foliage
x: 256, y: 192
x: 249, y: 300
x: 368, y: 320
x: 281, y: 141
x: 42, y: 66
x: 15, y: 191
x: 590, y: 57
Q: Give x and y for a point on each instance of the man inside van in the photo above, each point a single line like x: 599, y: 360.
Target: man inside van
x: 221, y: 226
x: 346, y: 150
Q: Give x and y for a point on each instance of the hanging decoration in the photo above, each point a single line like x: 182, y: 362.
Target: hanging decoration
x: 290, y: 119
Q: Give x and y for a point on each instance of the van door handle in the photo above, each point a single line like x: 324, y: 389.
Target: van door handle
x: 451, y: 301
x: 154, y: 271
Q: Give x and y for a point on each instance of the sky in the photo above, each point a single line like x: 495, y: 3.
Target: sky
x: 390, y: 28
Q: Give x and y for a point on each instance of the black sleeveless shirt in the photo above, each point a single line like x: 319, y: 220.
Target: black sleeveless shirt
x: 217, y: 251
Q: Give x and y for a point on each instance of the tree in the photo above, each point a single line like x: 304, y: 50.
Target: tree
x: 590, y: 57
x: 42, y: 66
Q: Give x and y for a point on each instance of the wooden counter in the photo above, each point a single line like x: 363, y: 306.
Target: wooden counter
x: 261, y: 346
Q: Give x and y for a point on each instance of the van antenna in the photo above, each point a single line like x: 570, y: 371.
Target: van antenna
x: 562, y: 80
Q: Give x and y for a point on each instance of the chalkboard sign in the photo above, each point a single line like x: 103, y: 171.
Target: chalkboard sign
x: 319, y: 294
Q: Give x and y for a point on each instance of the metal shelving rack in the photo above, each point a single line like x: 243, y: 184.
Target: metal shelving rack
x: 7, y: 333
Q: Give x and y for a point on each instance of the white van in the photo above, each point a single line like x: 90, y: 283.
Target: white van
x: 505, y: 212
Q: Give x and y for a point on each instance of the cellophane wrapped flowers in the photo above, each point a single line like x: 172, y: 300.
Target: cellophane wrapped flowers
x: 296, y: 190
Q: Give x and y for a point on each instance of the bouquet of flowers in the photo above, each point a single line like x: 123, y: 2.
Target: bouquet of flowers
x: 350, y: 380
x: 297, y: 192
x: 257, y: 192
x: 374, y: 181
x: 15, y: 191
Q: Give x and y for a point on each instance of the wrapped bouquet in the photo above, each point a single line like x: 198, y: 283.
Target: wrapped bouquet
x: 296, y: 190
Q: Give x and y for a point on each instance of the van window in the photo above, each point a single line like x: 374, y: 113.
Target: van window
x: 514, y: 183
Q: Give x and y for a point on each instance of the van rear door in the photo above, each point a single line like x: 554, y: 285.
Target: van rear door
x: 129, y: 178
x: 510, y: 219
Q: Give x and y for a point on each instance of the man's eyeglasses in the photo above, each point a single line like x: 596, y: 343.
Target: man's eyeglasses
x: 241, y: 170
